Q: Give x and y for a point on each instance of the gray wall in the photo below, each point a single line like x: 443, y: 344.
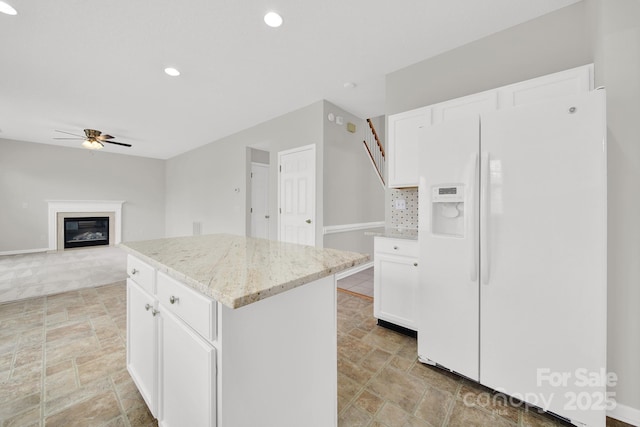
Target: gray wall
x: 352, y: 192
x: 617, y: 48
x: 201, y: 184
x: 606, y: 32
x: 551, y: 43
x: 32, y: 173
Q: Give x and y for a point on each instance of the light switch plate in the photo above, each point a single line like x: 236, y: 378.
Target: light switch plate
x: 401, y: 204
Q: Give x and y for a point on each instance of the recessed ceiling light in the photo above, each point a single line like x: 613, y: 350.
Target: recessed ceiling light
x: 7, y: 9
x: 350, y: 85
x: 272, y: 19
x: 172, y: 72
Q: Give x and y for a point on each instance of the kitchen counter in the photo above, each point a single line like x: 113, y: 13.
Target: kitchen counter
x: 237, y: 270
x: 394, y: 233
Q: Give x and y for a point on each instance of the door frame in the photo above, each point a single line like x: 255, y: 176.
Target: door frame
x: 268, y: 168
x: 312, y: 148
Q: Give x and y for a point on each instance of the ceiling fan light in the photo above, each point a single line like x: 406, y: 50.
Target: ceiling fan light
x: 7, y: 9
x: 92, y: 145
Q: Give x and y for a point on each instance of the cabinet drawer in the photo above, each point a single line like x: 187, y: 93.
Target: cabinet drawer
x: 194, y: 309
x: 141, y: 273
x: 401, y: 247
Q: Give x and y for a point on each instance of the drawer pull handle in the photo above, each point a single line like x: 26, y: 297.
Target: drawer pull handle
x: 395, y: 248
x: 147, y: 307
x: 173, y: 299
x: 154, y: 312
x: 133, y: 271
x: 415, y: 264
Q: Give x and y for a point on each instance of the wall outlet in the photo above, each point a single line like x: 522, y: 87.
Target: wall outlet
x: 401, y: 204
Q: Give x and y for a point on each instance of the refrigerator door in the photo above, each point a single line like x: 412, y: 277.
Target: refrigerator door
x: 543, y: 292
x: 448, y: 237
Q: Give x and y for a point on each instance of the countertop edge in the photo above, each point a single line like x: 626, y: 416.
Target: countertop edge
x: 235, y: 303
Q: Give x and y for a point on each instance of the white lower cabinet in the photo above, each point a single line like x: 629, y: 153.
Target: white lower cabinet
x: 187, y: 375
x: 198, y: 363
x: 142, y: 342
x: 395, y: 281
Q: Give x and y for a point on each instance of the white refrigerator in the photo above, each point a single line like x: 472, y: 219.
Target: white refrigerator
x: 512, y: 236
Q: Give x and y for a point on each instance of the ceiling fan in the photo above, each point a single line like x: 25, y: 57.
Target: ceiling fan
x: 93, y: 139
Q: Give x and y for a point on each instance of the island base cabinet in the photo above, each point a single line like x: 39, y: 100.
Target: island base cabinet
x: 187, y: 376
x: 142, y: 342
x: 279, y: 360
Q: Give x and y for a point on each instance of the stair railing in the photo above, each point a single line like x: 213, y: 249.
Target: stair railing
x: 375, y: 150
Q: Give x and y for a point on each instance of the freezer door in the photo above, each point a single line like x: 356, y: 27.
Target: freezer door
x: 448, y: 236
x: 543, y: 248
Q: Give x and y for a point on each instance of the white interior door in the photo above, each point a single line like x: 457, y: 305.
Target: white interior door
x: 260, y: 200
x: 543, y: 291
x: 448, y: 291
x: 297, y: 195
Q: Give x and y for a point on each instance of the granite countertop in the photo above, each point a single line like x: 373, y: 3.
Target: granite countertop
x: 394, y: 233
x: 237, y: 270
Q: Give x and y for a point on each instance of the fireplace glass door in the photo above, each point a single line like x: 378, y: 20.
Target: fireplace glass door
x: 87, y: 231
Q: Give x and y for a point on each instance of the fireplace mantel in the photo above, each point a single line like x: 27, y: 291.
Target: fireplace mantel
x: 58, y: 206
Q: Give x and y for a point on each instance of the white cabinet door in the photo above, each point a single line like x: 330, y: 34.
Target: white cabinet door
x: 565, y: 83
x: 142, y: 342
x: 467, y: 106
x: 187, y: 375
x: 395, y: 289
x: 402, y: 142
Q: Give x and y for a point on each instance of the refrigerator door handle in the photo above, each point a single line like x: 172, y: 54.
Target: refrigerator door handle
x: 484, y: 218
x: 472, y: 218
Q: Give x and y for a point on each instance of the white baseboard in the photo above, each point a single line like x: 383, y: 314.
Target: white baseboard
x: 354, y: 270
x: 626, y: 414
x: 24, y: 251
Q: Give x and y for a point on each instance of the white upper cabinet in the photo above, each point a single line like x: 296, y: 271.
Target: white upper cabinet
x: 471, y: 105
x: 565, y: 83
x: 403, y: 128
x: 402, y: 147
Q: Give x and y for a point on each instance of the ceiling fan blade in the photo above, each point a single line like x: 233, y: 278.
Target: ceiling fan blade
x: 69, y: 133
x: 75, y: 139
x: 103, y: 137
x: 117, y: 143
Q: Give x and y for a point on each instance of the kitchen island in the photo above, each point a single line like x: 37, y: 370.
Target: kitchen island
x: 232, y: 331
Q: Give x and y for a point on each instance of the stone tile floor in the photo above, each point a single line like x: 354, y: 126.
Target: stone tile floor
x: 62, y: 363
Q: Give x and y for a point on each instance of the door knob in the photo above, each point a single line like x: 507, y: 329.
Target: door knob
x: 308, y: 221
x: 134, y: 271
x: 266, y: 216
x: 173, y: 299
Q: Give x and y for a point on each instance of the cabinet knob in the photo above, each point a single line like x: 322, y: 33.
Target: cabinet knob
x: 308, y: 221
x: 395, y: 248
x: 154, y: 312
x: 133, y: 271
x: 415, y: 264
x: 147, y: 307
x: 173, y: 299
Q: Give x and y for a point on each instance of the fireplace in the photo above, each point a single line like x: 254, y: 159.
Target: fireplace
x: 60, y: 211
x: 86, y: 231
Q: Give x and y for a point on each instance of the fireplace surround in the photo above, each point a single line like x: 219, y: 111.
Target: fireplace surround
x: 74, y: 209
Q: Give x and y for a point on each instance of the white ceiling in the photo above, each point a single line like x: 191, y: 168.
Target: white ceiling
x: 78, y: 64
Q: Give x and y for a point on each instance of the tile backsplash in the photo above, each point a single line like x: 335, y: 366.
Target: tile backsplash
x: 408, y: 217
